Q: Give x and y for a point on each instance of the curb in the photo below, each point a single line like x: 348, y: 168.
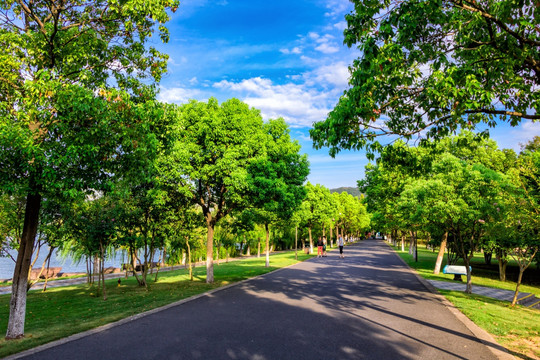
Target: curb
x: 499, y: 351
x: 102, y: 328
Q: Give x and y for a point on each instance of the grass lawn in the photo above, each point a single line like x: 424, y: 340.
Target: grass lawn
x: 517, y: 329
x: 60, y: 312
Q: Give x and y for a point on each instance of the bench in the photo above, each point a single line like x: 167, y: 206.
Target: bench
x: 456, y: 270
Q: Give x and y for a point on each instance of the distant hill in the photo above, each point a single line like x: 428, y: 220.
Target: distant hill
x: 350, y: 190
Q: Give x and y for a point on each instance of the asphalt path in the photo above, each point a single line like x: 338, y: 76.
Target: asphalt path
x: 368, y: 305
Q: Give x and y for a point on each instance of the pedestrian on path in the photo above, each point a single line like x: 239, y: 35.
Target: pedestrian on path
x: 340, y: 244
x: 324, y: 246
x: 319, y: 247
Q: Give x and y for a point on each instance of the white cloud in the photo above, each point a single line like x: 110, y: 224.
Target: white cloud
x: 338, y: 7
x: 308, y: 60
x: 342, y: 25
x: 298, y: 104
x: 308, y: 98
x: 325, y: 43
x: 295, y: 50
x: 327, y: 48
x: 334, y: 75
x: 313, y: 36
x: 177, y: 95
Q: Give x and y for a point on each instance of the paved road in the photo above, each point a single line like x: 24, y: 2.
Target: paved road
x: 366, y: 306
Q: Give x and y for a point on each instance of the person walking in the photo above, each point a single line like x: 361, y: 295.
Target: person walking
x: 340, y: 244
x: 324, y: 246
x: 319, y: 247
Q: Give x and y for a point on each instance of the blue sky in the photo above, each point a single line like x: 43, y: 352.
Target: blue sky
x: 285, y: 58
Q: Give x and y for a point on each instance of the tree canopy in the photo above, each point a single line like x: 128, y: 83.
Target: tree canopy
x: 61, y: 119
x: 432, y: 67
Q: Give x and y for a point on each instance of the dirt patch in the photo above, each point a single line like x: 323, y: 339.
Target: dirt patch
x: 528, y: 347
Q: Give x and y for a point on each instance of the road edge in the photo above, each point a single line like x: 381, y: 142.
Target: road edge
x: 486, y: 338
x: 129, y: 319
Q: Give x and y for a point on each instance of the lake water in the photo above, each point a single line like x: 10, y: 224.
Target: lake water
x: 68, y: 266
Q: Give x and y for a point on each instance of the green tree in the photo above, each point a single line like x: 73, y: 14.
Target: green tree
x: 433, y: 67
x: 276, y: 180
x: 316, y: 208
x: 471, y: 193
x: 384, y: 182
x: 53, y: 133
x: 215, y: 144
x: 523, y: 224
x: 94, y: 223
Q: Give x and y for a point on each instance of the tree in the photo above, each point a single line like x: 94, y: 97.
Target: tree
x: 471, y: 193
x: 54, y: 133
x: 431, y: 67
x: 384, y: 182
x: 215, y: 144
x: 315, y: 209
x: 96, y: 221
x: 355, y: 218
x: 523, y: 224
x: 276, y: 180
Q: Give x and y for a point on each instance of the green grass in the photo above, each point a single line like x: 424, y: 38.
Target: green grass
x: 517, y: 329
x: 60, y: 312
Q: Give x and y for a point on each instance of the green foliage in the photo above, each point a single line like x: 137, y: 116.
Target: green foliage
x: 434, y: 67
x: 317, y: 206
x: 215, y: 144
x: 84, y: 43
x: 276, y: 180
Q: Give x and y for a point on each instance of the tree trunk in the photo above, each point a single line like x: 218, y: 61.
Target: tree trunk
x: 17, y: 304
x: 103, y: 270
x: 98, y: 266
x: 414, y: 246
x: 209, y: 249
x: 296, y: 243
x: 159, y: 264
x: 402, y: 242
x: 331, y: 237
x: 440, y: 255
x: 516, y: 293
x: 258, y: 248
x: 501, y: 258
x: 267, y: 250
x: 43, y: 266
x: 48, y: 259
x: 189, y: 259
x: 88, y: 270
x: 133, y: 262
x: 487, y: 257
x: 310, y: 240
x: 468, y: 289
x: 134, y: 265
